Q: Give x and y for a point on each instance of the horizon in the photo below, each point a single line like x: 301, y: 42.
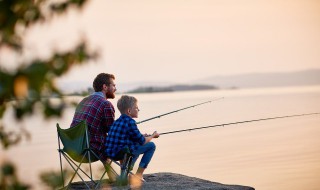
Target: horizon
x: 125, y: 87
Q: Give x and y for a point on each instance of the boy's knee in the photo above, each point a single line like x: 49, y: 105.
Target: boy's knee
x: 152, y: 145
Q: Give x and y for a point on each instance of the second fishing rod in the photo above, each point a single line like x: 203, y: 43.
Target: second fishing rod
x: 239, y: 122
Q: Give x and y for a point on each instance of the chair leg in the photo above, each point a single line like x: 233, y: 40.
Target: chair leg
x: 89, y: 155
x: 76, y: 173
x: 108, y: 168
x: 62, y: 177
x: 127, y: 166
x: 125, y: 170
x: 78, y: 167
x: 59, y: 150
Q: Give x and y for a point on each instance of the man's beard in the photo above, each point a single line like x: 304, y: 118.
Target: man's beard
x: 110, y: 95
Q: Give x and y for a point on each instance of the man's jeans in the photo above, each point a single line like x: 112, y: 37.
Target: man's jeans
x: 147, y: 150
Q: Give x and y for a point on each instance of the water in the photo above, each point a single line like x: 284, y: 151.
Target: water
x: 274, y: 154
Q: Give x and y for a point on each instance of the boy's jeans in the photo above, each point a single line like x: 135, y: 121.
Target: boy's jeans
x: 147, y: 150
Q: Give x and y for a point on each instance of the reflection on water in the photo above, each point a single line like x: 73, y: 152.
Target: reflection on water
x: 274, y: 154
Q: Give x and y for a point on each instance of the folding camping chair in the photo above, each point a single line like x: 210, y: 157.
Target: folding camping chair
x: 76, y: 151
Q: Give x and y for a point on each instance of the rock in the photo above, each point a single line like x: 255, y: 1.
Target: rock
x: 170, y: 181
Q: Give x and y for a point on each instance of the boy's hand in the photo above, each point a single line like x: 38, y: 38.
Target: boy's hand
x: 155, y: 134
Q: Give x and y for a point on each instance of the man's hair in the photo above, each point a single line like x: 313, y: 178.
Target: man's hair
x: 126, y: 102
x: 101, y: 79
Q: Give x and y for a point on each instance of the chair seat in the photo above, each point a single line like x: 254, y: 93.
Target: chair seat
x: 121, y: 154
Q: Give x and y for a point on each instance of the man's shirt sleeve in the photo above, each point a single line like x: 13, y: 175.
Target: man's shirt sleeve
x: 109, y: 115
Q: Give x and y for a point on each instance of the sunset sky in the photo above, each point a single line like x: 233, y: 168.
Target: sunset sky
x: 185, y: 40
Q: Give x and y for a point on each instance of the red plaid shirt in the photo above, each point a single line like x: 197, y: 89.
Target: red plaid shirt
x: 99, y: 114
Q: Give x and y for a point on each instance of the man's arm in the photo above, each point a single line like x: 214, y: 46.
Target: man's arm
x: 109, y: 115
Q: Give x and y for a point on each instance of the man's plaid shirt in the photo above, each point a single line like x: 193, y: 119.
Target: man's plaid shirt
x: 123, y: 132
x: 99, y: 114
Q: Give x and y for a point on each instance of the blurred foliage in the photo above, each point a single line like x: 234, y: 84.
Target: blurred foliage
x: 53, y: 178
x: 9, y: 179
x: 12, y: 138
x: 33, y: 80
x: 32, y: 83
x: 29, y: 84
x: 23, y: 13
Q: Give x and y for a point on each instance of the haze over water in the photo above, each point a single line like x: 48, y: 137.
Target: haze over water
x: 274, y: 154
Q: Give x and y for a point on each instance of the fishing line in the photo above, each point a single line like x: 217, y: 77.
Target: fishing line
x: 156, y: 117
x: 238, y: 122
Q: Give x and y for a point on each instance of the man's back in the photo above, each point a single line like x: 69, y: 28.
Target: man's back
x: 99, y: 115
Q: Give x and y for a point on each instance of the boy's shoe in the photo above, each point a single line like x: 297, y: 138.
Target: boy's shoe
x: 134, y: 176
x: 136, y: 181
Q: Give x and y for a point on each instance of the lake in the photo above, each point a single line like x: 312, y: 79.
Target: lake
x: 272, y: 154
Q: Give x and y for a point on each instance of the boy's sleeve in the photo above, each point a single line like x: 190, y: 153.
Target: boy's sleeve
x: 134, y: 133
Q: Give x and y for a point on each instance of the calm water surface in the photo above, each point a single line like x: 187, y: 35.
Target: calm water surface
x: 275, y: 154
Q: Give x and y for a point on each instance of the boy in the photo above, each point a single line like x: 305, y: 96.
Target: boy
x: 125, y: 133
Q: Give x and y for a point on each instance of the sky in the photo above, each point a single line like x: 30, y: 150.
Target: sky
x: 185, y: 40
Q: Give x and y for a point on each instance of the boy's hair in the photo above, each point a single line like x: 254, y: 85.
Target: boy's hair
x: 100, y: 80
x: 126, y: 102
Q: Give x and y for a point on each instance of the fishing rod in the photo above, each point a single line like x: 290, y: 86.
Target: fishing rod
x: 238, y: 122
x: 156, y: 117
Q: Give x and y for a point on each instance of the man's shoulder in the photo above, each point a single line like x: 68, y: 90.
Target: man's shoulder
x: 98, y: 99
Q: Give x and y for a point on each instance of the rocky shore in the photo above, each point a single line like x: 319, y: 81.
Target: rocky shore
x: 171, y: 181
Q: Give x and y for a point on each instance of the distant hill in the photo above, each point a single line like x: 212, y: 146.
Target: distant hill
x: 253, y: 80
x: 172, y: 88
x: 250, y: 80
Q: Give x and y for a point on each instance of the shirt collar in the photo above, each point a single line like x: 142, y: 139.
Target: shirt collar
x: 99, y: 94
x: 125, y: 115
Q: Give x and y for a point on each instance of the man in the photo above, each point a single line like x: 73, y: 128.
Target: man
x: 98, y: 112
